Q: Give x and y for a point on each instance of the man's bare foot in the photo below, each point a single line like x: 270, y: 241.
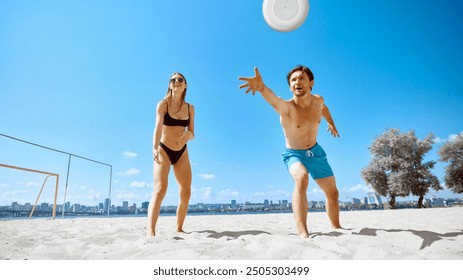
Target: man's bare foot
x: 304, y: 235
x: 150, y: 234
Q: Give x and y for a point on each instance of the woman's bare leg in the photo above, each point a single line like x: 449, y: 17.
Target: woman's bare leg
x: 161, y: 175
x: 182, y: 172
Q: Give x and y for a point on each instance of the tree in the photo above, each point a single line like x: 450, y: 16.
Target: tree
x: 397, y: 169
x: 452, y: 152
x: 421, y: 177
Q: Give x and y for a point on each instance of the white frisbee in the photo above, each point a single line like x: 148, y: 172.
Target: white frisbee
x: 285, y: 15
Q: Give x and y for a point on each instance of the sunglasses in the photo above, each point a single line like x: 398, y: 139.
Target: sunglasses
x: 180, y: 80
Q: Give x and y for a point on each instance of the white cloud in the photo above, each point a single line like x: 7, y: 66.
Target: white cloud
x: 96, y: 197
x: 28, y: 184
x: 130, y: 172
x: 357, y: 191
x: 14, y: 194
x: 359, y: 188
x: 138, y: 184
x: 33, y: 184
x: 129, y: 154
x: 207, y: 176
x: 450, y: 138
x: 260, y: 194
x: 355, y: 188
x: 126, y: 196
x: 203, y: 194
x: 90, y: 197
x: 271, y: 194
x: 206, y: 192
x: 439, y: 140
x: 316, y: 191
x: 229, y: 193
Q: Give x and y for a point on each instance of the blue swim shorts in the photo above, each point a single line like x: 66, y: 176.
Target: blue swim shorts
x: 314, y: 159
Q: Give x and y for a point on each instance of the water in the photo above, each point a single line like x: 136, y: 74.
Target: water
x: 59, y: 216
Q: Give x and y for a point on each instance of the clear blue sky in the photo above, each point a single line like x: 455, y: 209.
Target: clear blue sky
x: 85, y: 76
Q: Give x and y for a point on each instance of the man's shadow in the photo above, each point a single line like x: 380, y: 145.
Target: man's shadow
x: 232, y: 234
x: 428, y: 237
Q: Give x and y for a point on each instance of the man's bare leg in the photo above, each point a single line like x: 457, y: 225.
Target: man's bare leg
x: 300, y: 203
x: 328, y: 185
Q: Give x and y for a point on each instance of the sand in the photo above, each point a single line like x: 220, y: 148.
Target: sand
x: 409, y: 234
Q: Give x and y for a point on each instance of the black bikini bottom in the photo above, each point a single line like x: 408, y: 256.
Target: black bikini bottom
x: 174, y: 156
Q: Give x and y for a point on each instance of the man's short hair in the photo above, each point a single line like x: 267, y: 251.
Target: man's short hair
x: 302, y: 68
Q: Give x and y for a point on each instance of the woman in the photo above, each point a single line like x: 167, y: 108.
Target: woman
x: 174, y: 128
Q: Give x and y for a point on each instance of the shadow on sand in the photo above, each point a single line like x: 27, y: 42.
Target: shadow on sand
x: 332, y: 233
x: 232, y: 234
x: 428, y: 237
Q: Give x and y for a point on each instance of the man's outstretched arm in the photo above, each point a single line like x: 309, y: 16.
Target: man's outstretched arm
x: 256, y: 83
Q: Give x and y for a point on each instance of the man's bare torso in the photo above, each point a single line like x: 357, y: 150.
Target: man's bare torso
x: 300, y: 125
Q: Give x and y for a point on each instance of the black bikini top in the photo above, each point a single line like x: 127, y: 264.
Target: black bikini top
x: 169, y: 121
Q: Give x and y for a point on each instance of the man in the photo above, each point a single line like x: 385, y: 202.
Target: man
x: 300, y: 118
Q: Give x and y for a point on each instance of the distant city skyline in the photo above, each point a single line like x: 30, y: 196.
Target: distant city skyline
x: 370, y: 198
x: 372, y: 202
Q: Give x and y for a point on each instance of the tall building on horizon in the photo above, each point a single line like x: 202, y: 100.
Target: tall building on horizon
x: 144, y: 205
x: 125, y: 205
x: 107, y: 204
x: 373, y: 198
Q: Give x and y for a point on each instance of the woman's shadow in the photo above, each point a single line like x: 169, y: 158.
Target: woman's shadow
x: 232, y: 234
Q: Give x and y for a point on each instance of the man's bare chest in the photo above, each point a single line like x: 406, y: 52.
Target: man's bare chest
x: 306, y: 117
x: 301, y: 123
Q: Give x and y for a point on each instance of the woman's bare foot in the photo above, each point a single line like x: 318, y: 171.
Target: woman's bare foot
x: 303, y: 233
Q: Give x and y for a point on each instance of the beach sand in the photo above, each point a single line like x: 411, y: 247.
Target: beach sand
x: 408, y: 234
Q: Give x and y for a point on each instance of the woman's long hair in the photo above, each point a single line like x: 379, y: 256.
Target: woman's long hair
x: 169, y: 91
